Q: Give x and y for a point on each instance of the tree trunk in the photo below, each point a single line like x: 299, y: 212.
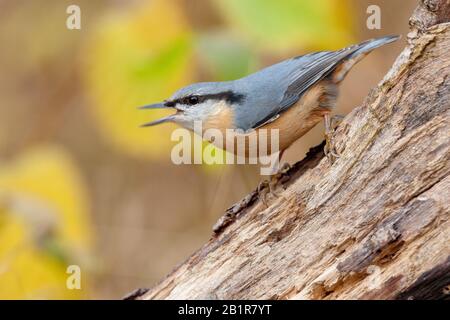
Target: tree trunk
x: 372, y: 225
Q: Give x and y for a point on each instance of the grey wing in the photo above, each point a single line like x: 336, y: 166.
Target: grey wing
x: 311, y: 69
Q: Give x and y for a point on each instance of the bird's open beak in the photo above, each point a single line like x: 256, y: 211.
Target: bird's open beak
x: 159, y: 121
x: 160, y: 105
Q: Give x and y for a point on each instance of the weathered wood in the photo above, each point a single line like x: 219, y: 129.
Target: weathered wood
x: 374, y: 224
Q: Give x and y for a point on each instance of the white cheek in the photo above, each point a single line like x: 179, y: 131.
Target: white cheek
x: 201, y: 111
x: 215, y: 108
x: 215, y: 112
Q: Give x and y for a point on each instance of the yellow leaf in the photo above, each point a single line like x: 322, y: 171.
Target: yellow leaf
x: 44, y: 225
x: 135, y: 58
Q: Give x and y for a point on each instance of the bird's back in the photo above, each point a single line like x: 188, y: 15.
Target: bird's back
x: 274, y: 89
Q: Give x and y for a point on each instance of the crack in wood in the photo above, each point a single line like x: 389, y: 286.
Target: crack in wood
x: 431, y: 285
x: 313, y: 156
x: 367, y: 212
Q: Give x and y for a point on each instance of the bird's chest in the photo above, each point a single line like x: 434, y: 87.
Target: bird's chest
x: 302, y: 116
x: 276, y: 135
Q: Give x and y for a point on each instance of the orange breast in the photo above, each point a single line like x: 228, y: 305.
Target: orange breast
x: 292, y: 124
x: 301, y: 117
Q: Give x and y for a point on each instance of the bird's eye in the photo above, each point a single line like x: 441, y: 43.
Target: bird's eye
x: 192, y: 100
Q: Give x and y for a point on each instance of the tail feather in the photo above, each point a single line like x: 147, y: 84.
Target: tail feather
x: 371, y: 44
x: 363, y: 49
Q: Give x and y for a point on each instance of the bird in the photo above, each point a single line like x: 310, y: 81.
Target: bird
x: 292, y: 96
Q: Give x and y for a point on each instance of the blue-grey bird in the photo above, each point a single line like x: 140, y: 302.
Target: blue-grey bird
x: 292, y: 96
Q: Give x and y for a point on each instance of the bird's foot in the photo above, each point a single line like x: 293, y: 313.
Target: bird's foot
x: 270, y: 186
x: 330, y: 149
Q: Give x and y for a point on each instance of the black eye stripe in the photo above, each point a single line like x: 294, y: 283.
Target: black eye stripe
x: 228, y: 96
x: 169, y: 103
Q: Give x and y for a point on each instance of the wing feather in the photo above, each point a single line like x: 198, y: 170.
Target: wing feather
x: 314, y: 68
x: 305, y: 71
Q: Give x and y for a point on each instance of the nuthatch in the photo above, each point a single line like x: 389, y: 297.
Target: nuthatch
x: 292, y: 96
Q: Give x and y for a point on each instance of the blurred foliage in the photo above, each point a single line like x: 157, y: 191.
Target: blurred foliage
x: 136, y: 57
x: 45, y: 22
x: 144, y: 54
x: 44, y: 225
x: 128, y: 53
x: 281, y: 25
x: 225, y: 57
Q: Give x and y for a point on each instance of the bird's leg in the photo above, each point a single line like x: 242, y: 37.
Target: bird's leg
x: 269, y: 186
x: 336, y: 120
x: 277, y: 178
x: 331, y: 123
x: 263, y: 190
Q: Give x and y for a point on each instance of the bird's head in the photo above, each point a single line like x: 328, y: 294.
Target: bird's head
x: 205, y: 102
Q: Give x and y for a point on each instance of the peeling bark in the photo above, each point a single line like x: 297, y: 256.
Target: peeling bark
x: 374, y: 224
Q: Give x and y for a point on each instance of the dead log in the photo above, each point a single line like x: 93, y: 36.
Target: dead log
x: 372, y: 225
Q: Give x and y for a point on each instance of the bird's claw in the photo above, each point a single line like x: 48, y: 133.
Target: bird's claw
x: 269, y: 186
x: 336, y: 120
x: 330, y: 149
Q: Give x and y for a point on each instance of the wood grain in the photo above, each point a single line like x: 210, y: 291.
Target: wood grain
x: 373, y: 225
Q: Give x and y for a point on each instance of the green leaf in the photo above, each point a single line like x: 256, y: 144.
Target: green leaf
x: 279, y: 25
x: 225, y: 57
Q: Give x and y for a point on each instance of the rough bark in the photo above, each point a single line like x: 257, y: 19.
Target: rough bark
x: 372, y: 225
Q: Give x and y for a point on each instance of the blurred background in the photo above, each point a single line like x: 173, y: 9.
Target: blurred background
x: 81, y: 183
